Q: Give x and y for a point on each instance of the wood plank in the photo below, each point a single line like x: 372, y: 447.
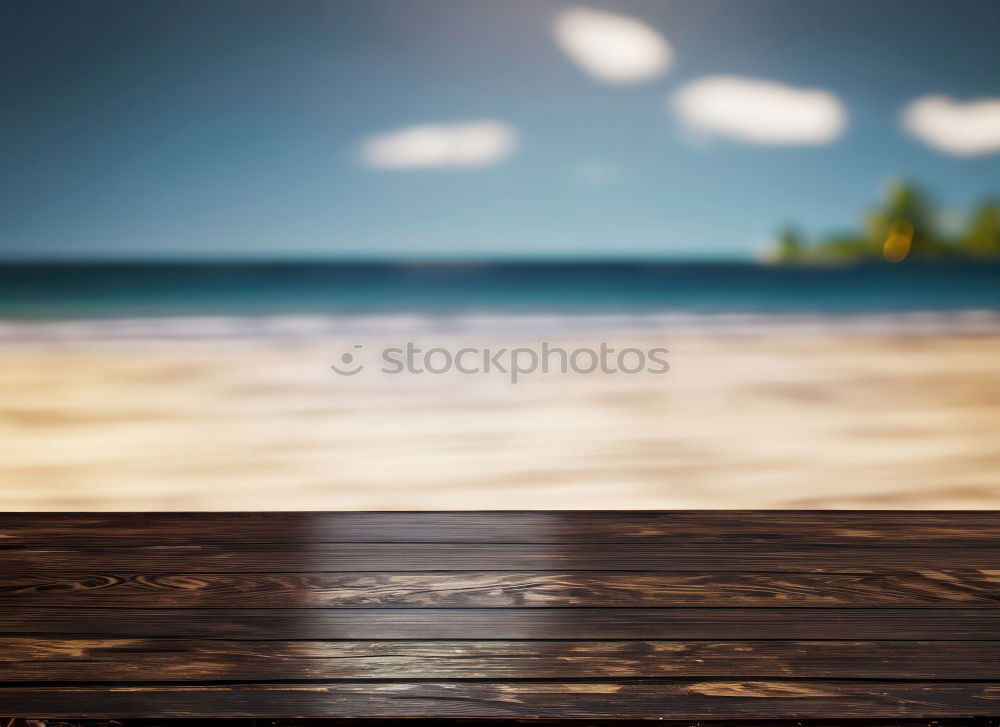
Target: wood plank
x: 624, y: 557
x: 450, y: 589
x: 774, y: 615
x: 167, y: 659
x: 504, y: 624
x: 555, y: 527
x: 676, y: 699
x: 503, y: 722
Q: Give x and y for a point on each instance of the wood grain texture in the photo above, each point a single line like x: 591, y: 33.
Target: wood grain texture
x: 622, y: 557
x: 136, y: 660
x: 852, y: 527
x: 502, y: 624
x: 662, y: 615
x: 449, y: 589
x: 676, y: 699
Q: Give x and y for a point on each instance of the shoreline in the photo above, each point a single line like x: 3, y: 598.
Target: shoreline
x: 529, y: 325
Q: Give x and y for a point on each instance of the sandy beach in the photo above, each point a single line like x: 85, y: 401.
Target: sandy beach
x: 768, y: 420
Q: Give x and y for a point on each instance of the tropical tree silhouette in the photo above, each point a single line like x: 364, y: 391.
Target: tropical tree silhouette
x: 903, y: 226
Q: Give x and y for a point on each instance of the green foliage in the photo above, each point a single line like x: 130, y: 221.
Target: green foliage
x: 982, y: 235
x: 901, y: 227
x: 791, y: 246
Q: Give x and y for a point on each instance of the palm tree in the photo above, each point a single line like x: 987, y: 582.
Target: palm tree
x: 907, y: 211
x: 982, y: 235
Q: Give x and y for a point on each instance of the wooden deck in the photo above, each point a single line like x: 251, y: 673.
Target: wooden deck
x: 658, y: 615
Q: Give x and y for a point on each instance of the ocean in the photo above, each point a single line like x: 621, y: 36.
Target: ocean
x: 88, y: 291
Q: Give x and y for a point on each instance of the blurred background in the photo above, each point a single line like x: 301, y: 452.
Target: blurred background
x: 203, y: 206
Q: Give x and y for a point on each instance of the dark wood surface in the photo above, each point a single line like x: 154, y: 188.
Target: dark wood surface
x: 497, y: 722
x: 184, y: 660
x: 654, y: 615
x: 520, y: 557
x: 647, y: 698
x: 484, y: 589
x: 505, y: 623
x: 856, y: 527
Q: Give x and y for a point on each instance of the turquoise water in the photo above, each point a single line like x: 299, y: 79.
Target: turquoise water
x: 68, y: 292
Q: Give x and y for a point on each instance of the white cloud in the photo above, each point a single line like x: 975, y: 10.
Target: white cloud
x: 612, y: 48
x: 468, y: 144
x: 964, y: 129
x: 760, y: 111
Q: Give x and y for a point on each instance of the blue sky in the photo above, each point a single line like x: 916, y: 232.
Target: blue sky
x: 237, y: 128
